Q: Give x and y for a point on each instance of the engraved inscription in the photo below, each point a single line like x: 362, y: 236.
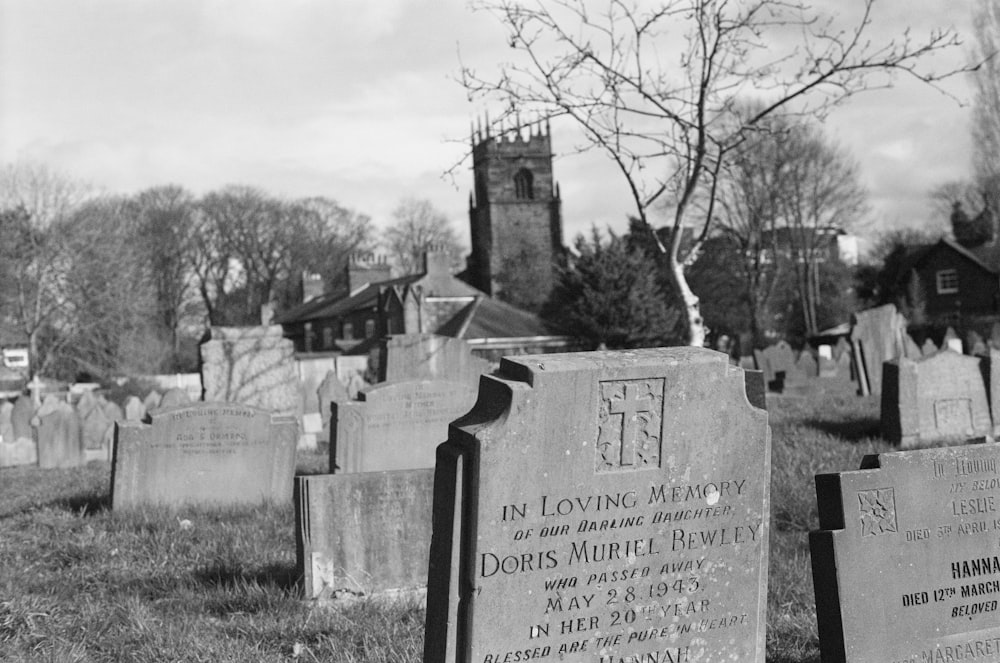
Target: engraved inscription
x: 953, y: 415
x: 629, y: 425
x: 878, y: 511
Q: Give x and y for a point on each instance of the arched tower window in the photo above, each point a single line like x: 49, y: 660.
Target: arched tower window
x: 524, y: 185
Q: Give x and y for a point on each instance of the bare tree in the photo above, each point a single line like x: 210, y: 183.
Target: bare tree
x: 418, y: 225
x: 34, y: 252
x: 669, y: 130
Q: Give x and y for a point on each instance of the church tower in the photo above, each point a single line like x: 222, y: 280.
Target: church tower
x: 514, y: 215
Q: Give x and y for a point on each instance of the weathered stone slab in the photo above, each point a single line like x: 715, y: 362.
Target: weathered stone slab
x: 254, y: 366
x: 14, y: 450
x: 363, y: 533
x: 429, y: 357
x: 877, y: 336
x: 906, y: 565
x: 205, y: 453
x: 60, y: 443
x: 605, y: 507
x: 940, y: 398
x: 396, y: 426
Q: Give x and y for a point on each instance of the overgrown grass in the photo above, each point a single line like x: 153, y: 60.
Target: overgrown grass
x: 79, y: 582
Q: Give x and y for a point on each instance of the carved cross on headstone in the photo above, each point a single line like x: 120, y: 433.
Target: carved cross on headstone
x: 629, y: 407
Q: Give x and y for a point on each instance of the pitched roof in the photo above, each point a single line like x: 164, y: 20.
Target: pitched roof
x: 969, y: 254
x: 332, y: 305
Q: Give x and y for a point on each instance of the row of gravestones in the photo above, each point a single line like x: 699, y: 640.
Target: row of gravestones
x: 784, y: 370
x: 879, y: 335
x: 615, y: 506
x: 59, y: 435
x: 611, y: 505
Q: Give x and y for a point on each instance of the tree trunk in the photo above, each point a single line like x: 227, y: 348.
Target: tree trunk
x: 690, y: 304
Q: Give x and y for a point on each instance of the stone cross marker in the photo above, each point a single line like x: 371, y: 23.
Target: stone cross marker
x: 603, y: 507
x: 906, y: 565
x: 205, y: 453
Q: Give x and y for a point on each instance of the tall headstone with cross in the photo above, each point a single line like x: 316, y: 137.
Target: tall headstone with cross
x: 603, y: 506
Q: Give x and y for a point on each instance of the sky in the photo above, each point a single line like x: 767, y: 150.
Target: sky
x: 358, y: 101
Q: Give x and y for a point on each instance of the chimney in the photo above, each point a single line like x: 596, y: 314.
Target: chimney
x: 437, y: 260
x: 312, y: 286
x: 365, y: 268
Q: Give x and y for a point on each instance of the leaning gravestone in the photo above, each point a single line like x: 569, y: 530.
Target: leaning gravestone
x: 206, y: 453
x: 877, y: 337
x: 363, y: 533
x: 60, y: 443
x: 905, y: 564
x: 395, y: 426
x: 603, y: 506
x: 254, y: 366
x: 941, y: 398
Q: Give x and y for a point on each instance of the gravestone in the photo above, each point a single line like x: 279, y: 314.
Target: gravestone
x: 429, y: 357
x: 905, y: 562
x: 174, y: 397
x: 15, y: 450
x: 330, y: 390
x: 928, y: 348
x: 134, y: 409
x: 6, y: 428
x: 910, y: 348
x: 991, y: 363
x: 841, y: 348
x: 806, y: 365
x: 994, y: 340
x: 254, y: 366
x: 96, y: 427
x: 764, y: 366
x: 780, y: 357
x: 60, y: 443
x: 363, y: 533
x: 395, y: 426
x: 152, y: 401
x: 603, y: 506
x: 204, y: 453
x: 877, y: 337
x: 941, y: 398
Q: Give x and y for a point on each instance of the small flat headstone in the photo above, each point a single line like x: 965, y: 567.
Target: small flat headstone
x: 941, y: 398
x: 603, y: 506
x: 204, y: 453
x: 905, y: 563
x: 363, y: 533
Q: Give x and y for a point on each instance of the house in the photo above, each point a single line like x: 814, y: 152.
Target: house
x: 433, y: 301
x: 953, y: 281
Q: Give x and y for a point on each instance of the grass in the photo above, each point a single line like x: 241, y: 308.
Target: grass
x: 80, y: 583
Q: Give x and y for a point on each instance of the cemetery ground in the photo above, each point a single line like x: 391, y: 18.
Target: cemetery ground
x: 79, y: 582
